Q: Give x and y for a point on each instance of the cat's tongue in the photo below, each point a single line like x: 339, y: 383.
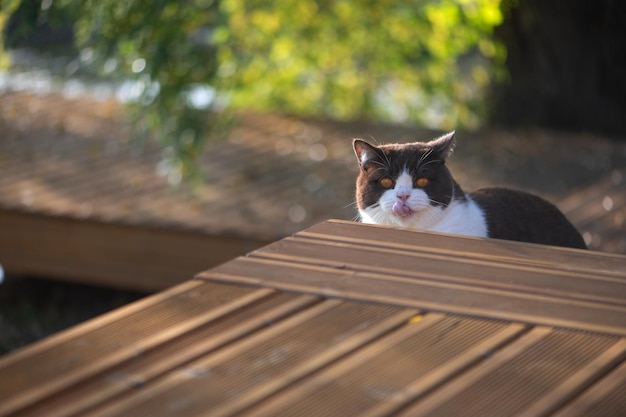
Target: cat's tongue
x: 400, y: 209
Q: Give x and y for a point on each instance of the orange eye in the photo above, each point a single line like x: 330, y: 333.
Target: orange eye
x: 421, y: 182
x: 386, y: 182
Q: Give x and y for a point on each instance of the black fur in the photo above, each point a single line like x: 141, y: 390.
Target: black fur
x: 516, y: 215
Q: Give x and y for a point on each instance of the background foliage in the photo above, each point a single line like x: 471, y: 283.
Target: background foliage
x: 423, y: 61
x: 418, y: 60
x: 7, y: 7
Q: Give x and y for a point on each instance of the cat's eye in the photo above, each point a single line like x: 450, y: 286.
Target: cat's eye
x: 386, y: 182
x: 421, y: 182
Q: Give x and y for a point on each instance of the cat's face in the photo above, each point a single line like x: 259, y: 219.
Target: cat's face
x: 404, y: 185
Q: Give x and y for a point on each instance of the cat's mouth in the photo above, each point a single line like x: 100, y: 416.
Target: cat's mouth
x: 400, y: 209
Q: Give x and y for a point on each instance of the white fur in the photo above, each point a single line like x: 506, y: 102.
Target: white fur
x: 403, y: 185
x: 459, y: 217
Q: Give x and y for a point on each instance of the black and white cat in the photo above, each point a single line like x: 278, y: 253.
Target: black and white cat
x: 409, y: 185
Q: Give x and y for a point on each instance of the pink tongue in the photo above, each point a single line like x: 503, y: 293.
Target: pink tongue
x: 400, y: 209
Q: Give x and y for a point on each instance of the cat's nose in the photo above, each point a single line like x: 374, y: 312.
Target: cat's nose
x: 403, y: 196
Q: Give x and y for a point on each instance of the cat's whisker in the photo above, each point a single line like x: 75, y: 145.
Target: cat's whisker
x: 379, y: 217
x: 372, y: 138
x: 379, y: 169
x: 439, y: 213
x: 423, y: 158
x: 387, y: 159
x: 378, y: 163
x: 354, y: 204
x: 431, y: 162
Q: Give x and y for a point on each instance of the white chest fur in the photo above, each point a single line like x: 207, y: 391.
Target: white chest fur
x: 462, y: 218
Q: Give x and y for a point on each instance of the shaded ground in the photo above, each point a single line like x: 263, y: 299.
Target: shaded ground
x: 31, y: 309
x: 273, y: 176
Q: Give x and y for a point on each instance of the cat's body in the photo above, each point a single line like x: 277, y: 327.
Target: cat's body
x: 408, y: 185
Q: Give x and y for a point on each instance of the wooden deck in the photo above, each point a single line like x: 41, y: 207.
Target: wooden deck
x: 348, y: 319
x: 110, y: 254
x: 599, y: 212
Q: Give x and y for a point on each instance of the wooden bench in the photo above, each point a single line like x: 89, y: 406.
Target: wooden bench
x: 348, y: 319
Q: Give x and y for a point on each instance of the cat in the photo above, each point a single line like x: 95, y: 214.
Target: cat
x: 409, y: 185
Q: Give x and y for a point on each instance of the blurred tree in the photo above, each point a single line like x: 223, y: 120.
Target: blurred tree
x: 7, y: 7
x: 423, y: 61
x: 166, y: 47
x: 566, y: 63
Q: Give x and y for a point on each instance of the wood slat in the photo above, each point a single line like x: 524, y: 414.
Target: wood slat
x: 529, y: 377
x: 394, y: 370
x: 465, y: 247
x: 140, y: 371
x: 581, y: 379
x: 263, y: 363
x: 415, y: 263
x: 33, y: 374
x: 607, y: 398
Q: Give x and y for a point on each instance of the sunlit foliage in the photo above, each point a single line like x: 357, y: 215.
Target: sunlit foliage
x: 7, y: 7
x: 421, y: 61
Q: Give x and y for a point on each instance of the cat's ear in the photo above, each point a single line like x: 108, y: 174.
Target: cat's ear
x: 364, y: 151
x: 443, y: 145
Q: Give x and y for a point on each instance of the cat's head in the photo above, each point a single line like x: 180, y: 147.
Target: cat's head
x: 405, y: 184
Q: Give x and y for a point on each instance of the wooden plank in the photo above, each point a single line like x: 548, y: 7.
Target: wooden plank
x: 263, y: 363
x: 416, y: 263
x: 426, y: 292
x: 107, y: 254
x: 497, y: 360
x: 607, y: 398
x: 394, y: 370
x: 465, y: 247
x: 533, y: 374
x: 572, y: 386
x: 141, y: 370
x: 33, y: 374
